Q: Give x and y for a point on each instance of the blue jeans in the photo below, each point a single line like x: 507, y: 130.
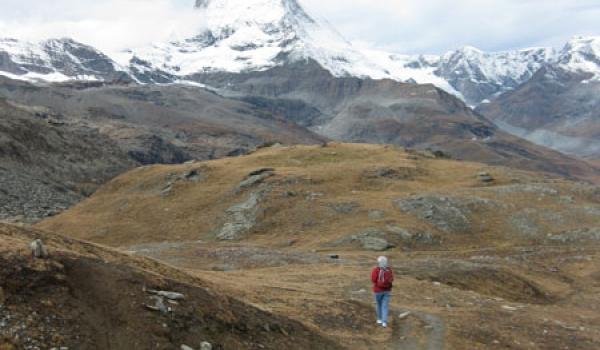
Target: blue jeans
x: 383, y: 302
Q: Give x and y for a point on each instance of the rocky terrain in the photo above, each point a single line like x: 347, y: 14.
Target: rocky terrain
x: 59, y: 142
x: 47, y: 164
x: 485, y: 257
x: 115, y: 127
x: 388, y: 112
x: 86, y: 296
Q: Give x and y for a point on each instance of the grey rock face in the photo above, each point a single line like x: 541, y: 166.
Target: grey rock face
x: 193, y: 175
x: 254, y: 178
x: 369, y: 239
x: 374, y: 243
x: 401, y: 232
x: 447, y: 214
x: 376, y: 214
x: 241, y: 218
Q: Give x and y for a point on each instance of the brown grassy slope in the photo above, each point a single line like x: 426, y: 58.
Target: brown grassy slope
x: 89, y: 297
x: 519, y: 273
x: 320, y: 196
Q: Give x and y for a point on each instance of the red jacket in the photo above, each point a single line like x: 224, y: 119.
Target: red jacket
x: 384, y: 282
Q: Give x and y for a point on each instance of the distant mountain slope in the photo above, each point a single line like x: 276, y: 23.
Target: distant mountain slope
x: 559, y: 107
x: 385, y: 111
x: 59, y: 142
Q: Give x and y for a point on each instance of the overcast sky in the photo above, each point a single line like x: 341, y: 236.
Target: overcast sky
x: 404, y: 26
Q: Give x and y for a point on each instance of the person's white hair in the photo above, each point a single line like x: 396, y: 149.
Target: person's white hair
x: 382, y: 261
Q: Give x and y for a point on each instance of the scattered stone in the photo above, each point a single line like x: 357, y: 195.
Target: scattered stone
x: 344, y: 208
x: 447, y: 214
x: 403, y: 173
x: 404, y: 315
x: 485, y: 177
x: 168, y: 295
x: 38, y: 250
x: 193, y: 175
x: 579, y: 235
x: 255, y: 178
x: 539, y: 189
x: 509, y: 308
x: 158, y: 304
x: 261, y: 171
x: 289, y: 194
x: 402, y: 233
x: 375, y: 214
x: 313, y: 195
x: 567, y: 199
x: 185, y: 347
x: 206, y: 346
x: 376, y: 244
x: 369, y: 239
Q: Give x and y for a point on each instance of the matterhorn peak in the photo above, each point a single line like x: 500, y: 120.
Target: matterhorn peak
x: 201, y: 3
x: 246, y: 35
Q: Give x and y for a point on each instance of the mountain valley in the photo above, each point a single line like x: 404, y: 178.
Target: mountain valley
x: 233, y: 189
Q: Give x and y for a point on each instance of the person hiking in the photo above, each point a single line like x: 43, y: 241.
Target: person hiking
x: 382, y: 277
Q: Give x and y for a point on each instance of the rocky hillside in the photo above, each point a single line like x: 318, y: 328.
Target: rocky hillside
x: 485, y: 257
x: 343, y: 195
x: 48, y: 164
x: 59, y: 142
x: 80, y: 297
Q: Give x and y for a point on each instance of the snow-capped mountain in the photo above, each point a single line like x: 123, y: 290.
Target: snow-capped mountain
x: 559, y: 107
x: 56, y: 60
x: 256, y: 35
x: 582, y: 55
x: 481, y: 76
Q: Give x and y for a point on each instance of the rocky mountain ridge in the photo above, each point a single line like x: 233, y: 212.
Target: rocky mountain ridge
x: 244, y: 36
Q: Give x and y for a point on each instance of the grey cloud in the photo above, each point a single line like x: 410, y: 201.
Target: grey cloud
x: 405, y: 26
